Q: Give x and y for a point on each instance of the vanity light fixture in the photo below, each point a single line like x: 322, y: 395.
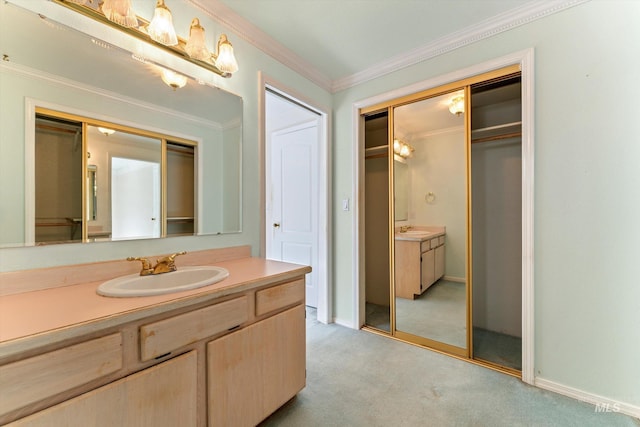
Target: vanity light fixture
x: 402, y: 149
x: 173, y: 79
x: 456, y: 105
x: 161, y: 27
x: 119, y: 11
x: 106, y: 131
x: 160, y: 31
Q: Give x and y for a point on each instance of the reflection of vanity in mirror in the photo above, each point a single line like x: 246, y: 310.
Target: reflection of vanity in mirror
x: 430, y: 280
x: 146, y: 180
x: 427, y: 156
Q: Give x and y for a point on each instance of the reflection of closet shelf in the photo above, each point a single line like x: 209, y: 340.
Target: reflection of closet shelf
x: 180, y: 219
x: 375, y: 152
x: 494, y: 133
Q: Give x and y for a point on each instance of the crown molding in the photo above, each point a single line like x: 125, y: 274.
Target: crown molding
x: 244, y: 29
x: 522, y: 15
x: 503, y: 22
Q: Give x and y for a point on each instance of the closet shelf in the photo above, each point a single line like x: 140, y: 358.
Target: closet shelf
x: 180, y: 219
x: 378, y: 151
x: 493, y: 133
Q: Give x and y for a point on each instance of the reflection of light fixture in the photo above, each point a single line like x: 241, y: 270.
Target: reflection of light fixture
x: 161, y: 27
x: 120, y: 12
x: 402, y: 149
x: 456, y: 105
x: 106, y: 131
x: 225, y: 60
x: 173, y: 79
x: 196, y: 46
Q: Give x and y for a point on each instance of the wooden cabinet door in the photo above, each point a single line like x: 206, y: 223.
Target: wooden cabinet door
x: 407, y: 269
x: 254, y: 371
x: 163, y: 395
x: 428, y: 270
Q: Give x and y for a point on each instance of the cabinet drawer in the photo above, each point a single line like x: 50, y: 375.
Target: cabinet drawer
x: 163, y: 395
x: 36, y: 378
x: 167, y: 335
x: 279, y: 296
x: 441, y: 240
x: 434, y: 243
x: 425, y: 246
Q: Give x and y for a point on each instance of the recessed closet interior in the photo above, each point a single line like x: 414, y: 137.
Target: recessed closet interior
x: 442, y: 218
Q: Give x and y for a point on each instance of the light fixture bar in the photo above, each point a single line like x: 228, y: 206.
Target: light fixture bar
x: 178, y: 50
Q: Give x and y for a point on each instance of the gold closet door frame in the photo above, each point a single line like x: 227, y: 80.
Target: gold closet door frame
x: 464, y: 84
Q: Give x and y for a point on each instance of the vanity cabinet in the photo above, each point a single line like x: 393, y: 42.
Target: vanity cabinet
x: 419, y: 264
x: 254, y: 371
x: 230, y: 360
x: 163, y: 395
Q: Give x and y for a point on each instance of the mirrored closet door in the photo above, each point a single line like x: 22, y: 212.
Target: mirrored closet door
x: 441, y: 178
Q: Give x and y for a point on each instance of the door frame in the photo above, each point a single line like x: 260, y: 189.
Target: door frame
x: 525, y: 59
x: 324, y: 309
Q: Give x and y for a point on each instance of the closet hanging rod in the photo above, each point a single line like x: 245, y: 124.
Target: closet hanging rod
x: 497, y: 127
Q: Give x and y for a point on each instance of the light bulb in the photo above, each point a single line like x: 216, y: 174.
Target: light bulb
x: 161, y: 27
x: 196, y: 46
x: 456, y: 106
x: 226, y: 61
x: 397, y: 145
x: 173, y: 79
x: 120, y: 12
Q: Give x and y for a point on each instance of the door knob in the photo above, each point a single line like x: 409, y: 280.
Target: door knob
x: 276, y: 224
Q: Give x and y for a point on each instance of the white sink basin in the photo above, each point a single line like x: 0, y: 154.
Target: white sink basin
x: 183, y: 279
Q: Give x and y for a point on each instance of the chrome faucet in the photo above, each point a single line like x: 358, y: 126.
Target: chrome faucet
x: 404, y: 228
x: 165, y: 264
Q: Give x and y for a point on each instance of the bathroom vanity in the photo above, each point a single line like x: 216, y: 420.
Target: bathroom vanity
x: 226, y: 354
x: 419, y: 260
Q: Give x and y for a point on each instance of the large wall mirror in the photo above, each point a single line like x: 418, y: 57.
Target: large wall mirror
x: 435, y: 192
x: 196, y: 129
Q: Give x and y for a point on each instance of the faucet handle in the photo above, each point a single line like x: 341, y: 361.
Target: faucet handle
x: 173, y: 256
x: 167, y: 263
x: 146, y: 265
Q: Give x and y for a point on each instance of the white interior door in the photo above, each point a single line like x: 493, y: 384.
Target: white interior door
x: 135, y: 199
x: 292, y: 214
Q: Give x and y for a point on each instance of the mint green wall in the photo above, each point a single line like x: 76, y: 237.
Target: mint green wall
x: 587, y: 189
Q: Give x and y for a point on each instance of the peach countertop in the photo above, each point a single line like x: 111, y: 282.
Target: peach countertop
x: 31, y: 319
x: 420, y: 233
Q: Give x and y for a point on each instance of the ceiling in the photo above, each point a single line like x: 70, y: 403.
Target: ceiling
x: 339, y: 43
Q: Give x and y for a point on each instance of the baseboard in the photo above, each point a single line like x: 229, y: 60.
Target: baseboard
x: 602, y: 404
x: 455, y: 279
x: 344, y: 322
